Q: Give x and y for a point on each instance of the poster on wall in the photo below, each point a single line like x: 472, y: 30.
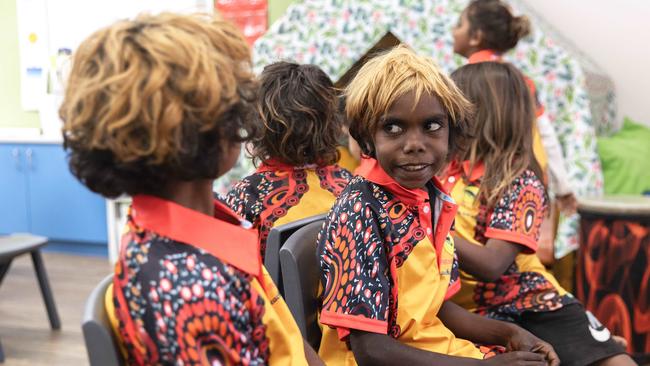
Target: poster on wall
x: 50, y: 30
x: 33, y: 46
x: 251, y: 16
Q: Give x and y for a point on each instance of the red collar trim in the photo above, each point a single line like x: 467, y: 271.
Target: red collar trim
x: 365, y: 165
x: 465, y: 169
x: 375, y: 173
x: 484, y: 56
x: 218, y: 235
x: 272, y: 165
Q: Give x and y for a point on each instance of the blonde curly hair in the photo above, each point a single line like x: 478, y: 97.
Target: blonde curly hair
x: 156, y: 99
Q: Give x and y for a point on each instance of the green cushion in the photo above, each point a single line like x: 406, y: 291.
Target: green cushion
x: 625, y: 157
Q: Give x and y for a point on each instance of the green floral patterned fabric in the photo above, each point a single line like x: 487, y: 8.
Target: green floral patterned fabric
x: 334, y: 34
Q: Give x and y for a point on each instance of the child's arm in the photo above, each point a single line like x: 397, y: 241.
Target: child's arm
x: 483, y: 330
x: 512, y: 227
x: 486, y: 262
x: 380, y: 349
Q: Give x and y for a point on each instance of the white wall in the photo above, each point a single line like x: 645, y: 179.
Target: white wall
x: 616, y: 35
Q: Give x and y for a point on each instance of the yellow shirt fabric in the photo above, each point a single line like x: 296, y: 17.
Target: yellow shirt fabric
x: 515, y: 219
x: 378, y: 235
x: 277, y: 194
x: 422, y: 288
x: 347, y: 161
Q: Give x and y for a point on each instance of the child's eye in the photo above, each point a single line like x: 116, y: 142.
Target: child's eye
x: 392, y: 128
x: 433, y: 126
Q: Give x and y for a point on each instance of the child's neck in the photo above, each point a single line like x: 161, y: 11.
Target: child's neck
x: 196, y: 195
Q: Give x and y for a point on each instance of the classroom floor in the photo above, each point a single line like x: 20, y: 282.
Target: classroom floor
x: 25, y: 331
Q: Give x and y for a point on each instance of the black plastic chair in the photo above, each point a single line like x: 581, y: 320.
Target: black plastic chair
x: 301, y: 272
x: 101, y: 345
x: 274, y: 242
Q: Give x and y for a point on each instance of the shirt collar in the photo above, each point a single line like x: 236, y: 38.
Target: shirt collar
x: 225, y: 235
x: 375, y: 173
x: 365, y: 165
x: 484, y: 56
x: 271, y: 165
x: 465, y: 170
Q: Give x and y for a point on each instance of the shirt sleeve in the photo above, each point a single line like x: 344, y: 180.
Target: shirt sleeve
x: 519, y: 213
x: 354, y: 269
x: 243, y: 198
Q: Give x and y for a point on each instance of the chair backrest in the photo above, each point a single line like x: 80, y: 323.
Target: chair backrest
x: 100, y: 343
x: 301, y: 271
x: 277, y: 237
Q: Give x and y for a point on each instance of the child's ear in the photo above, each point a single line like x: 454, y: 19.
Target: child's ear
x: 476, y: 38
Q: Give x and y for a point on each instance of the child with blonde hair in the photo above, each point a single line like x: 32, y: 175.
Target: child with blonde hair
x: 388, y: 263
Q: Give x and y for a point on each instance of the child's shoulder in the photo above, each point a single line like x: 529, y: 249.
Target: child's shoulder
x: 360, y: 189
x: 362, y: 196
x: 154, y: 258
x: 523, y: 188
x: 527, y: 178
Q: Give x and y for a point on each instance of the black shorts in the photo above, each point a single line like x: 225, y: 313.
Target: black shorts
x: 577, y: 336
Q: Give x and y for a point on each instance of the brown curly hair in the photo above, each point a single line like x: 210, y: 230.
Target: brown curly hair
x: 501, y: 31
x: 156, y: 99
x: 298, y: 113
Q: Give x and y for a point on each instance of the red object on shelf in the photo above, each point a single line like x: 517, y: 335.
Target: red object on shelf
x: 251, y: 16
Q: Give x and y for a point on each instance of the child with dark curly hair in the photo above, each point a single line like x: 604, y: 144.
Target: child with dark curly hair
x: 298, y: 176
x: 157, y: 108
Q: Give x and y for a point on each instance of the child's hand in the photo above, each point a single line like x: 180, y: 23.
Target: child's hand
x: 517, y: 358
x: 568, y: 204
x: 522, y: 340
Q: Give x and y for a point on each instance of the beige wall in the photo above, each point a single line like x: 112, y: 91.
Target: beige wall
x: 616, y: 35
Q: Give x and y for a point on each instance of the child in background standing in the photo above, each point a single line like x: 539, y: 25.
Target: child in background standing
x: 502, y: 202
x: 154, y: 108
x: 298, y: 176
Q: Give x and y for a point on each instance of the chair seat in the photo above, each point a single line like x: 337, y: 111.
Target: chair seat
x: 17, y: 244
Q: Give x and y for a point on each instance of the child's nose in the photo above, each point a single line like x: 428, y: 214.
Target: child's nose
x: 414, y: 143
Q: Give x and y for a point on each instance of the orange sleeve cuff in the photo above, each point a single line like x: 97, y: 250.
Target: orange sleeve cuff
x: 529, y: 243
x: 344, y: 322
x: 453, y: 290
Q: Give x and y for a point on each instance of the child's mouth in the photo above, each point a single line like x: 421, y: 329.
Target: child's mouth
x: 414, y: 167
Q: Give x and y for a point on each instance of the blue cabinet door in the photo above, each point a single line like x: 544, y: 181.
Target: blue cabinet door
x: 61, y: 208
x: 13, y: 190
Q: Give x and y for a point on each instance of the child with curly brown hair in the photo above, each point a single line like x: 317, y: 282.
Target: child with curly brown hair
x: 157, y: 108
x: 298, y: 176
